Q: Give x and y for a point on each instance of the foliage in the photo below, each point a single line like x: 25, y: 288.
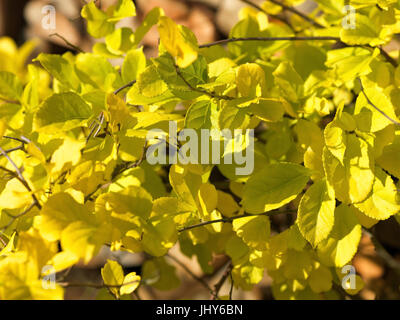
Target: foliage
x: 74, y: 176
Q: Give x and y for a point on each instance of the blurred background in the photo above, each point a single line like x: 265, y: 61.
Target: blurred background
x: 210, y: 20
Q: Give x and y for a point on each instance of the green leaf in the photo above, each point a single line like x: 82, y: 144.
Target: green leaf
x: 119, y: 41
x: 320, y: 279
x: 341, y: 245
x: 10, y: 86
x: 133, y: 200
x: 349, y: 63
x: 59, y: 68
x: 316, y: 212
x: 390, y: 158
x: 130, y: 284
x: 383, y: 201
x: 365, y: 33
x: 268, y: 109
x: 159, y: 274
x: 61, y: 111
x: 352, y: 180
x: 133, y: 65
x: 367, y: 117
x: 254, y: 231
x: 58, y: 212
x: 274, y: 186
x: 289, y: 81
x: 150, y: 84
x: 113, y: 275
x: 149, y: 21
x: 123, y: 9
x: 250, y: 80
x: 176, y: 42
x: 98, y: 21
x: 198, y: 115
x: 97, y: 71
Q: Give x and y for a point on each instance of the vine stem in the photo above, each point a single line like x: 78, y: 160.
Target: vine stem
x: 230, y: 219
x: 293, y: 38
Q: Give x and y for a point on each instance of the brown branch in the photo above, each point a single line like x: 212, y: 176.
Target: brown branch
x: 230, y: 219
x: 9, y: 101
x: 221, y: 281
x: 76, y: 48
x: 382, y: 252
x: 129, y: 84
x: 22, y: 139
x: 256, y: 6
x: 294, y: 38
x: 20, y: 177
x: 297, y: 12
x: 127, y: 166
x: 210, y: 94
x: 96, y: 127
x: 95, y: 285
x: 13, y: 149
x: 392, y: 61
x: 375, y: 107
x: 3, y: 242
x: 184, y: 267
x: 13, y: 218
x: 231, y: 288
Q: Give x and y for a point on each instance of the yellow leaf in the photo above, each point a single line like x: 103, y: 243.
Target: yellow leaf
x: 131, y: 282
x: 175, y: 42
x: 113, y: 276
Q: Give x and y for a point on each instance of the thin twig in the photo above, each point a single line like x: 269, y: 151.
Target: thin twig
x: 76, y: 48
x: 23, y: 181
x: 3, y: 242
x: 382, y: 252
x: 13, y: 149
x: 221, y: 281
x: 95, y: 285
x: 231, y: 288
x: 184, y: 267
x: 210, y: 94
x: 96, y: 126
x: 18, y: 171
x: 392, y: 61
x: 375, y: 107
x: 127, y: 166
x: 256, y: 6
x: 293, y: 38
x: 13, y: 218
x: 9, y: 101
x: 22, y: 140
x: 230, y: 219
x: 297, y: 12
x: 129, y: 84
